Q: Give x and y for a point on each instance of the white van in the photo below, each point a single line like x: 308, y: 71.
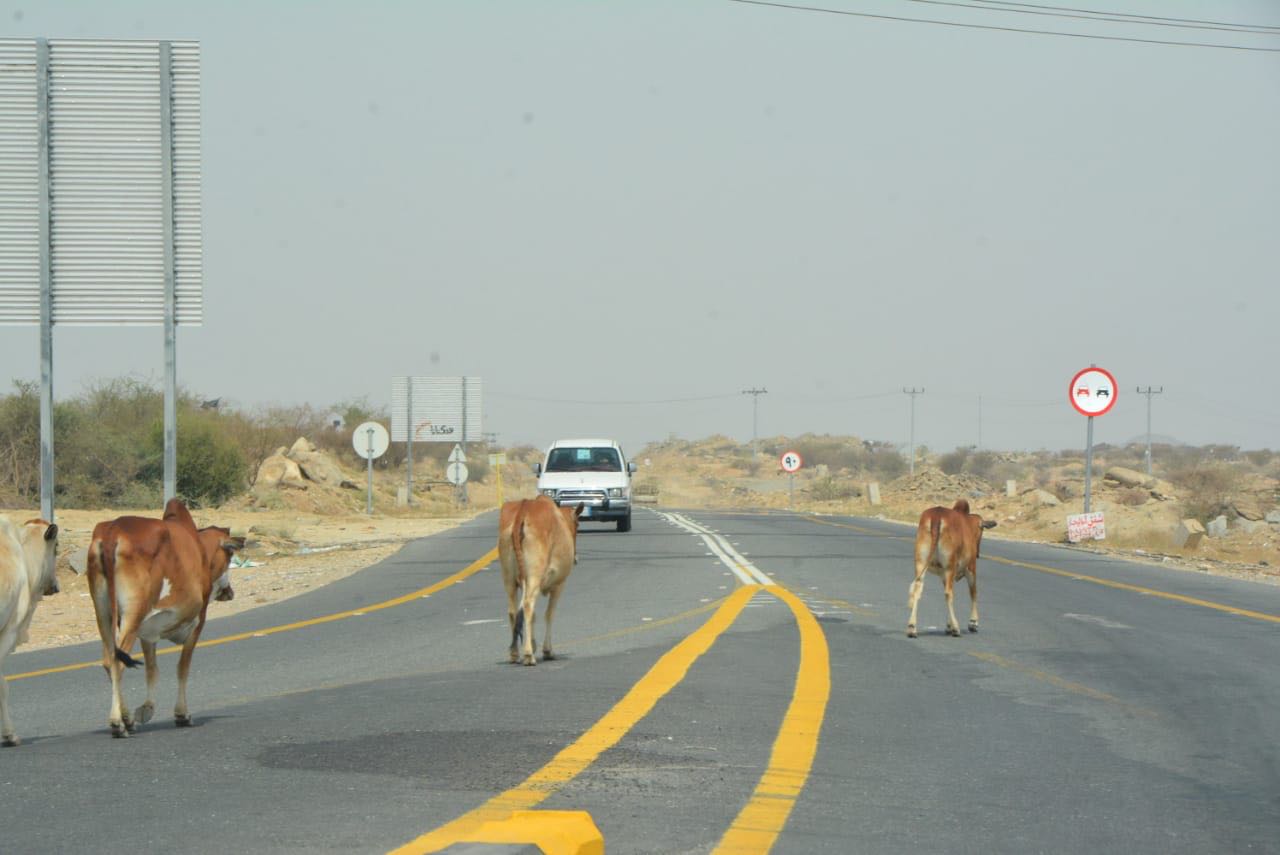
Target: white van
x: 591, y: 471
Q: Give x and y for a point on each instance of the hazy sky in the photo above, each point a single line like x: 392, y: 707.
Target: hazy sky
x: 648, y: 201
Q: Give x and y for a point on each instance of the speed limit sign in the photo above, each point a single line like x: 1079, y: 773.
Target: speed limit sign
x: 791, y: 461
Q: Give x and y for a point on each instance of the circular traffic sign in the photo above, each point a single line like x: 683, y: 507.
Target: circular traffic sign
x: 456, y: 473
x: 1093, y: 391
x: 370, y: 440
x: 791, y: 461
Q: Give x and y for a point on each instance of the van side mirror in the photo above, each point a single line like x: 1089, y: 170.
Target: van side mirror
x: 631, y: 468
x: 537, y: 469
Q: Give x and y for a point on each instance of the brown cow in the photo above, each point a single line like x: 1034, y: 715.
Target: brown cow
x: 153, y: 579
x: 27, y: 556
x: 538, y: 546
x: 947, y: 542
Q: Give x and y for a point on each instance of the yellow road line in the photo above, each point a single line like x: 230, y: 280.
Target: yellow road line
x: 1070, y: 574
x: 666, y: 673
x: 759, y: 823
x: 471, y: 569
x: 1046, y: 677
x: 1138, y: 589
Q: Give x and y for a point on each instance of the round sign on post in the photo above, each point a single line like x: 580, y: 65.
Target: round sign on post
x: 1093, y: 391
x: 370, y: 440
x: 457, y: 473
x: 791, y: 461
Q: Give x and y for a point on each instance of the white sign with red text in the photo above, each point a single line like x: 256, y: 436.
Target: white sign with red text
x: 1090, y: 526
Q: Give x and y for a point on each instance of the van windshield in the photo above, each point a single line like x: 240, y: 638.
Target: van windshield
x: 584, y: 460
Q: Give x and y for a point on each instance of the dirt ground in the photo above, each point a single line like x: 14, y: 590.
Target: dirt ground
x: 291, y: 553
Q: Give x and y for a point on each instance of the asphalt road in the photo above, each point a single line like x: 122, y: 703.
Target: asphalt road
x: 1104, y: 707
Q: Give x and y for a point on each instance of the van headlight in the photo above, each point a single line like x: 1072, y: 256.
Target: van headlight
x: 615, y: 492
x: 548, y: 491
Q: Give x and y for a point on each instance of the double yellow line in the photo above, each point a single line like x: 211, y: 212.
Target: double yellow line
x: 758, y: 824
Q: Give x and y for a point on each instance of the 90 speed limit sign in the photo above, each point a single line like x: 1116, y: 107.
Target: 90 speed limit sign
x: 791, y: 461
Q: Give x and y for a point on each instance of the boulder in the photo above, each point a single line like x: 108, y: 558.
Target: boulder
x: 279, y: 471
x: 1217, y: 527
x: 316, y: 465
x: 1249, y: 526
x: 1187, y: 534
x: 1247, y: 508
x: 1044, y: 498
x: 1273, y: 517
x: 1129, y: 477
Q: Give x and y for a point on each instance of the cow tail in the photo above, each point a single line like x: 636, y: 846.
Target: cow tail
x: 935, y: 531
x: 517, y: 547
x: 107, y: 562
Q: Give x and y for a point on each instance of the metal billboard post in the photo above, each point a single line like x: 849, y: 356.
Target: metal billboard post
x: 46, y: 280
x: 170, y: 274
x: 462, y: 488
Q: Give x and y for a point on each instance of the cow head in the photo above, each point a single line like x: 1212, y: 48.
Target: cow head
x: 571, y: 518
x: 219, y: 546
x: 40, y: 548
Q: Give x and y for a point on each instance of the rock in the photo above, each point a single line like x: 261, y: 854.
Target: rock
x: 316, y: 465
x: 1187, y: 534
x: 1044, y: 498
x: 279, y: 471
x: 1249, y: 526
x: 1129, y: 477
x: 1273, y: 517
x: 1011, y: 488
x: 873, y: 493
x: 302, y: 446
x: 78, y: 561
x: 1247, y: 508
x: 1217, y: 527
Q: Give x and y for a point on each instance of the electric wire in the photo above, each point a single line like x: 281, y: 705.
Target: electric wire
x: 1105, y: 17
x: 1259, y: 27
x: 996, y: 28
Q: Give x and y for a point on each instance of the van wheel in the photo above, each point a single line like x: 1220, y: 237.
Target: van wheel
x: 624, y: 524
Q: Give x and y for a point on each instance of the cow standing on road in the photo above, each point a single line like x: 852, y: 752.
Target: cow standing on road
x: 947, y: 542
x: 538, y: 546
x: 27, y: 556
x: 153, y: 579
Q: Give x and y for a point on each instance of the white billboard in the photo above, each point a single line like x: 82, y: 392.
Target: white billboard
x: 441, y: 409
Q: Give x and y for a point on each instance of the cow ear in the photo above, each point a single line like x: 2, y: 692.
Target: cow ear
x: 232, y: 544
x: 51, y: 532
x: 577, y: 512
x: 988, y: 523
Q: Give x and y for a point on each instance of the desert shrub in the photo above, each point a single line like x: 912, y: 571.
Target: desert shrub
x: 830, y: 489
x: 952, y: 463
x: 20, y: 444
x: 1133, y: 496
x: 211, y: 467
x: 1207, y: 488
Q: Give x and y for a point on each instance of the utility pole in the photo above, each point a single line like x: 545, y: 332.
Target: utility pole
x: 913, y: 391
x: 1149, y: 392
x: 755, y: 401
x: 979, y: 422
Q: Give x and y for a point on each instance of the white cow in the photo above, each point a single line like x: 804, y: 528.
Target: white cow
x: 27, y: 555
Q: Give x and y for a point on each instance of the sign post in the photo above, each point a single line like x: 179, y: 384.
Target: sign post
x: 370, y: 440
x: 791, y: 461
x: 456, y: 473
x: 1093, y: 393
x: 497, y: 461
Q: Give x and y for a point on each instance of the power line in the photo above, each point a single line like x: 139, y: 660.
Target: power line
x: 611, y: 403
x: 755, y: 403
x: 913, y: 391
x: 1106, y: 17
x: 797, y: 8
x: 1130, y: 15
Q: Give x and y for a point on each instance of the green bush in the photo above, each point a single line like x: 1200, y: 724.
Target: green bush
x: 211, y: 467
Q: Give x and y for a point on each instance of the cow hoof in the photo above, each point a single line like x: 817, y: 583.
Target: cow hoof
x: 954, y: 632
x: 529, y: 660
x: 130, y: 725
x: 973, y: 627
x: 547, y: 655
x: 182, y: 721
x: 118, y: 730
x: 143, y: 714
x: 911, y: 632
x: 10, y: 741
